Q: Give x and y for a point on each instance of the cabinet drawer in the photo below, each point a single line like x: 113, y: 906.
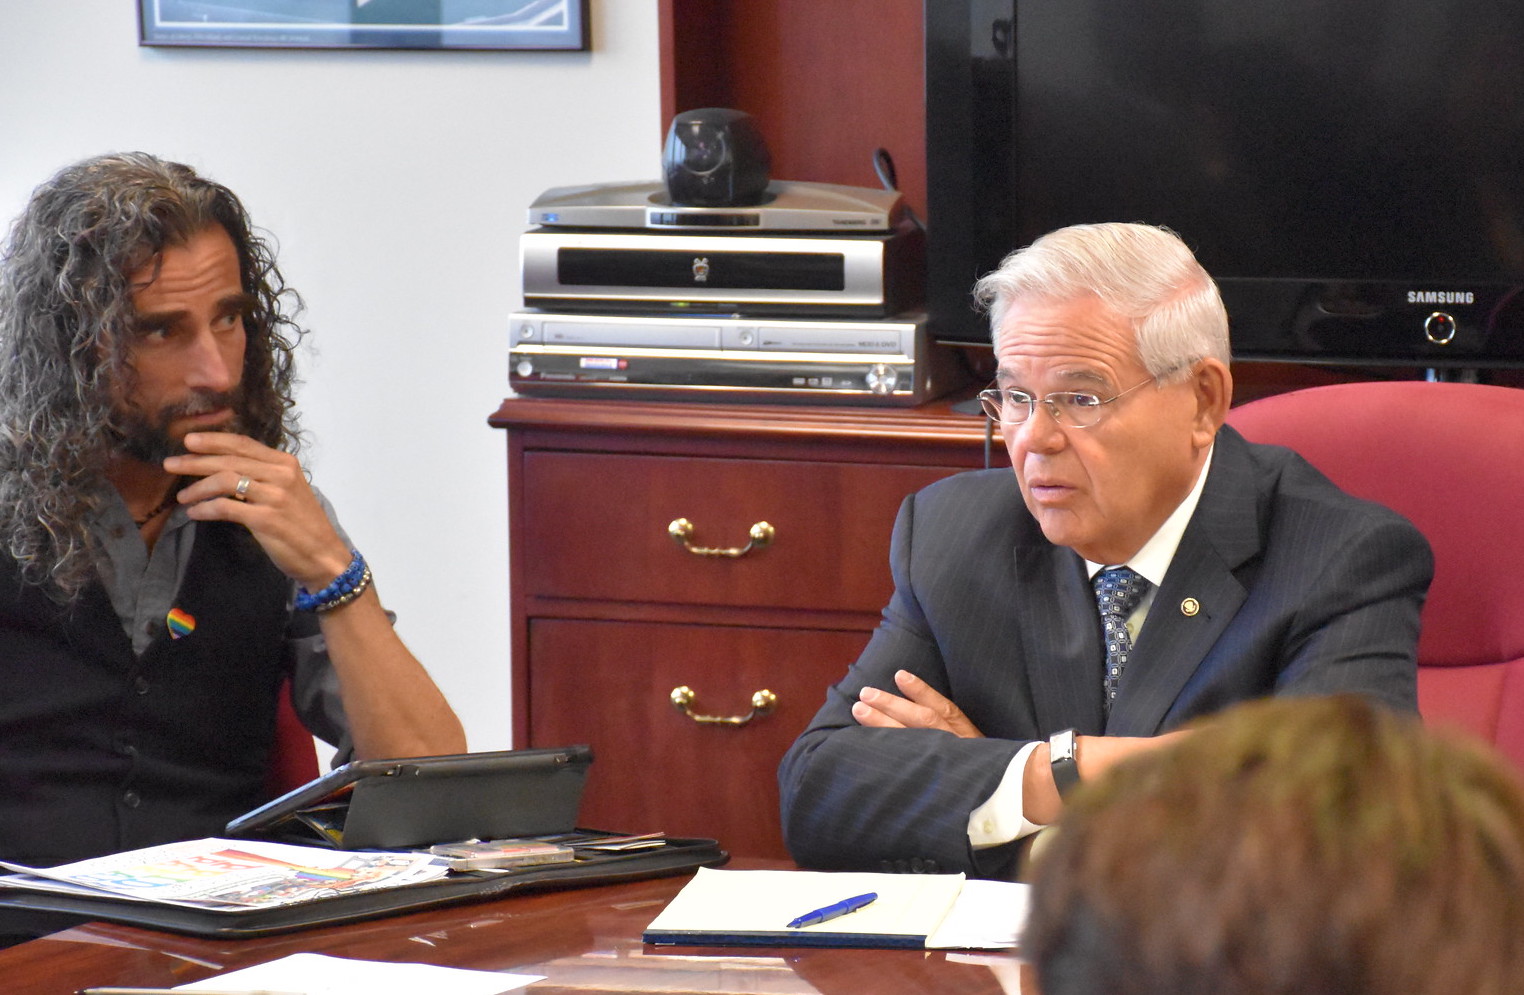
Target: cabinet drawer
x: 609, y: 684
x: 595, y: 527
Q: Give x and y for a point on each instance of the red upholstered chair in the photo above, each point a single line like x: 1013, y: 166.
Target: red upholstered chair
x: 1450, y: 457
x: 295, y: 760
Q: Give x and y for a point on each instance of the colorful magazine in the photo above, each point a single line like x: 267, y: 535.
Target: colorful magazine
x: 219, y: 873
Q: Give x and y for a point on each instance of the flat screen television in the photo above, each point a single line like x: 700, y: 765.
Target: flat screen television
x: 1351, y: 171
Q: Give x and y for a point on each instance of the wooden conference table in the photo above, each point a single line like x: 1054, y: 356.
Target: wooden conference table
x: 583, y: 940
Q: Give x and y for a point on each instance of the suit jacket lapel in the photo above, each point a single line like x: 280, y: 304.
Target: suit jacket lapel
x: 1199, y: 596
x: 1060, y: 637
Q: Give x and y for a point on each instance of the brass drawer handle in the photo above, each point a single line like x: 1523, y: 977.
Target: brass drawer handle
x: 762, y: 702
x: 681, y: 531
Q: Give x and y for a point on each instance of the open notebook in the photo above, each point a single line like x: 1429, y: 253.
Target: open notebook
x: 931, y: 911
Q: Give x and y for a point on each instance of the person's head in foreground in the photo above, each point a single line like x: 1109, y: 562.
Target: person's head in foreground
x: 1295, y: 845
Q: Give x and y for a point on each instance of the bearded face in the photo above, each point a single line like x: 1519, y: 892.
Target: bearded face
x: 151, y: 436
x: 187, y: 347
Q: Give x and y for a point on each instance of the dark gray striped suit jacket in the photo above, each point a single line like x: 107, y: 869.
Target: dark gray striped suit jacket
x: 1302, y: 590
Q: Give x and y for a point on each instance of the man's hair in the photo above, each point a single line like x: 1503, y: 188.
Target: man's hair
x: 66, y: 323
x: 1143, y: 274
x: 1307, y: 846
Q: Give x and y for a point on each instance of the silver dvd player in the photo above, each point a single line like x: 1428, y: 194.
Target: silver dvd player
x: 788, y: 206
x: 888, y: 362
x: 859, y: 275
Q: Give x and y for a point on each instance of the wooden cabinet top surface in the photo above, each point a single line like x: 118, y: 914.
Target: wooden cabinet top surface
x: 932, y: 432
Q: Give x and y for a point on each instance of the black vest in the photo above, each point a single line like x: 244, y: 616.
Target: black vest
x: 101, y: 751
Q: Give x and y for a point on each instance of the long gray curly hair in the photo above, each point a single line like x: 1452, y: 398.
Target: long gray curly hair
x: 66, y: 317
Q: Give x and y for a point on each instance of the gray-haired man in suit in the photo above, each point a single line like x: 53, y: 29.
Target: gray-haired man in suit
x: 994, y: 680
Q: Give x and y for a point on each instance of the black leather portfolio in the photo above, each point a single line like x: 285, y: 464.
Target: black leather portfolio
x: 591, y: 867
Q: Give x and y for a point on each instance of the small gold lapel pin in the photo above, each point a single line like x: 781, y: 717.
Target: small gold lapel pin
x: 1189, y: 607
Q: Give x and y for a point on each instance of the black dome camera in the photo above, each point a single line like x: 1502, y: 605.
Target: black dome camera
x: 715, y: 157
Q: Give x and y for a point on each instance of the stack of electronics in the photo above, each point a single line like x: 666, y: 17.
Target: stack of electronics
x: 719, y: 283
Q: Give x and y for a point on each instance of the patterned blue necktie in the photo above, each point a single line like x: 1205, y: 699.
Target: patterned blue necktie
x: 1117, y: 592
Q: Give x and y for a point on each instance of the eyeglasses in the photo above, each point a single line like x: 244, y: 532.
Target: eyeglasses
x: 1070, y: 408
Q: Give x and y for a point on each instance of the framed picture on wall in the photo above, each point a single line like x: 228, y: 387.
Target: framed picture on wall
x: 433, y: 24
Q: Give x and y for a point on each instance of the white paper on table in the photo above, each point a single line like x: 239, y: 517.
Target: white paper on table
x: 320, y: 974
x: 989, y: 915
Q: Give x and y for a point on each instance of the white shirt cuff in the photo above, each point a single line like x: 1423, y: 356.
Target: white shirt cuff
x: 999, y: 820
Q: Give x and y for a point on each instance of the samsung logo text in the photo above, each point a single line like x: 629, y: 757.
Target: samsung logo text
x: 1441, y: 297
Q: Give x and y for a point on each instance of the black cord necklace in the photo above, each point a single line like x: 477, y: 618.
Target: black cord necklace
x: 161, y: 508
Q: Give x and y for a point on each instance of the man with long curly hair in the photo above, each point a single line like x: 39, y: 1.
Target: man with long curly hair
x: 164, y: 563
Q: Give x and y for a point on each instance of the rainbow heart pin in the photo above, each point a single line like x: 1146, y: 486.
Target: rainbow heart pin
x: 181, y: 622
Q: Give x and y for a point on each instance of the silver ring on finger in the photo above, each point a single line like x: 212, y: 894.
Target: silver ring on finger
x: 241, y: 492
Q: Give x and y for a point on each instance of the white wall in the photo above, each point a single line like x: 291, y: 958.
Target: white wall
x: 396, y: 184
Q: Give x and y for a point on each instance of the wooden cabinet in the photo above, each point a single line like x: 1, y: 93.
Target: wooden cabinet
x: 611, y: 615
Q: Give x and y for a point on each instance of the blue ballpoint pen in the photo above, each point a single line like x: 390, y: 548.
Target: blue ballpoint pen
x: 830, y: 912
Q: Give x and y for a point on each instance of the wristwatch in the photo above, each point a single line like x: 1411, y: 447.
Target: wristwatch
x: 1063, y: 751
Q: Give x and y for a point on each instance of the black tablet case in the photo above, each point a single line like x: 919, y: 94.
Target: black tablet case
x: 418, y: 801
x: 677, y: 856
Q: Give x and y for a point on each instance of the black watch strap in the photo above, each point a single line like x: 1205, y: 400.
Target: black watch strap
x: 1063, y: 755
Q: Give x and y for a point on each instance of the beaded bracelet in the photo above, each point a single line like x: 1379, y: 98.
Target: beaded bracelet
x: 344, y: 588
